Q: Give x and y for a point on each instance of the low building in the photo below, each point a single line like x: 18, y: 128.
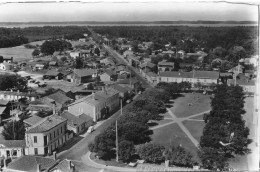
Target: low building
x: 147, y: 67
x: 8, y: 60
x: 6, y: 66
x: 80, y: 76
x: 108, y: 75
x: 124, y: 93
x: 203, y: 77
x: 246, y: 83
x: 170, y: 53
x: 74, y: 55
x: 98, y: 105
x: 53, y: 63
x: 12, y: 148
x: 237, y: 69
x: 181, y: 54
x: 77, y: 124
x: 32, y: 164
x: 11, y: 95
x: 39, y: 66
x: 152, y: 77
x: 165, y: 66
x: 53, y: 74
x: 46, y: 136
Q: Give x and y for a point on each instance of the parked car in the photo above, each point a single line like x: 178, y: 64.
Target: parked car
x: 90, y: 129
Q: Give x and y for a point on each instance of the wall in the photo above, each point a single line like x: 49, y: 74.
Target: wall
x: 4, y: 153
x: 82, y: 107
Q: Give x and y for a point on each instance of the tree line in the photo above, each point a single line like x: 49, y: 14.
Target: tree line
x: 225, y: 134
x: 186, y: 38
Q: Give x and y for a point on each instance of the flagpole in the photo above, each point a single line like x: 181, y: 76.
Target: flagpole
x: 116, y: 143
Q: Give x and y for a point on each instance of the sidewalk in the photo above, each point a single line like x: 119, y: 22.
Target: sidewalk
x: 86, y: 160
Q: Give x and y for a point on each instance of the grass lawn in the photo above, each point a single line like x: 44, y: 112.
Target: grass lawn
x: 18, y: 53
x: 166, y: 115
x: 172, y: 134
x: 195, y: 128
x: 249, y: 107
x: 111, y: 162
x: 182, y: 109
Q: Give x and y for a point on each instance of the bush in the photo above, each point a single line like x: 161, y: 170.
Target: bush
x: 151, y: 152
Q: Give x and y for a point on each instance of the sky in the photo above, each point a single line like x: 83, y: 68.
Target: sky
x: 125, y: 11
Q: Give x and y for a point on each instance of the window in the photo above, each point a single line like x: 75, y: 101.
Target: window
x: 14, y: 152
x: 36, y: 151
x: 45, y: 140
x: 54, y: 134
x: 61, y: 130
x: 35, y: 139
x: 50, y: 136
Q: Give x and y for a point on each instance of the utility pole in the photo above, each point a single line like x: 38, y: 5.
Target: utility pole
x: 116, y: 143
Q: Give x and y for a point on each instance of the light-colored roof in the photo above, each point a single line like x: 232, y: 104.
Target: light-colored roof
x: 30, y: 163
x: 166, y: 63
x: 2, y: 109
x: 196, y: 74
x: 13, y: 143
x: 33, y: 120
x: 4, y: 102
x: 64, y: 166
x: 46, y: 124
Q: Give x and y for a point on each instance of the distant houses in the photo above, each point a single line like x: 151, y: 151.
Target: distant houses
x: 80, y: 76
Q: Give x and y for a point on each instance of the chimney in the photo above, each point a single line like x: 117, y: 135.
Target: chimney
x: 38, y: 168
x: 54, y: 155
x: 53, y: 109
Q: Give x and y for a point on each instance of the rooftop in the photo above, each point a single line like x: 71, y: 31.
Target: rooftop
x: 65, y: 166
x: 76, y: 120
x: 197, y: 74
x: 4, y: 102
x: 166, y: 63
x: 52, y: 72
x: 18, y: 93
x: 84, y: 72
x: 12, y: 143
x: 47, y: 124
x: 59, y: 97
x: 109, y: 72
x: 33, y: 120
x: 30, y: 163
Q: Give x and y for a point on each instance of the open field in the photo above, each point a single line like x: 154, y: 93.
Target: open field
x: 195, y: 128
x: 172, y: 134
x: 18, y: 53
x: 200, y: 103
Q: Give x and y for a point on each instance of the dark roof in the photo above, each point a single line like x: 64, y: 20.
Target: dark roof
x: 13, y: 143
x: 64, y: 166
x: 52, y: 63
x: 120, y: 88
x: 242, y: 82
x: 59, y: 98
x: 166, y: 63
x: 29, y: 163
x: 33, y: 120
x: 151, y: 74
x: 47, y: 124
x: 52, y: 73
x: 84, y: 72
x: 109, y: 72
x: 4, y: 102
x: 206, y: 74
x: 75, y: 120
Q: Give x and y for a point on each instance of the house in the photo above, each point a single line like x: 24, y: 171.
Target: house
x: 77, y: 124
x: 168, y: 52
x: 107, y: 62
x: 38, y: 106
x: 181, y: 54
x: 12, y: 148
x: 254, y: 60
x: 64, y: 166
x: 53, y: 63
x: 8, y: 60
x: 60, y: 99
x: 11, y: 95
x: 152, y: 77
x: 147, y: 67
x: 53, y: 74
x: 134, y: 60
x: 124, y: 93
x: 203, y: 77
x: 128, y: 53
x: 97, y: 105
x: 46, y: 136
x: 165, y: 66
x: 39, y: 66
x: 133, y: 84
x: 82, y: 39
x: 6, y: 66
x: 80, y: 76
x: 75, y: 54
x: 108, y: 75
x: 246, y: 83
x: 32, y: 164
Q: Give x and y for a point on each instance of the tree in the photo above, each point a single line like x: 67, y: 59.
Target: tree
x: 1, y: 59
x: 36, y: 52
x: 97, y: 51
x: 47, y: 48
x: 151, y: 152
x: 90, y: 86
x: 15, y: 82
x: 14, y: 130
x: 79, y: 63
x: 179, y: 156
x: 126, y: 150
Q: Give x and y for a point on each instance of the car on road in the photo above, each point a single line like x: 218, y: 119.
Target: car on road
x: 90, y: 129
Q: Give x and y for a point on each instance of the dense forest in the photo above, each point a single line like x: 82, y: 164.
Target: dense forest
x: 187, y: 38
x: 10, y: 37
